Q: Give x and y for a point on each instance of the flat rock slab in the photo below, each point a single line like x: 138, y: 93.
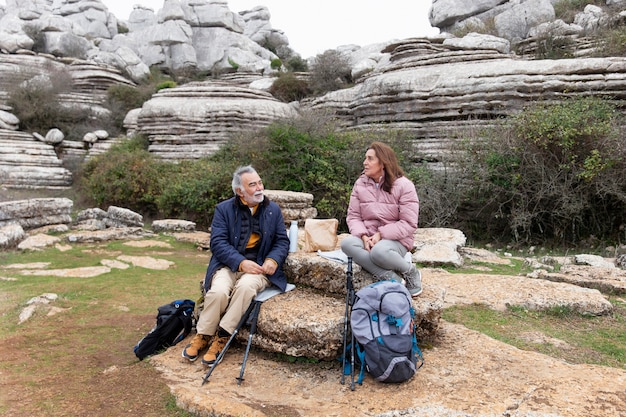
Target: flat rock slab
x: 500, y: 291
x: 465, y: 374
x: 147, y: 262
x: 608, y: 280
x: 81, y: 272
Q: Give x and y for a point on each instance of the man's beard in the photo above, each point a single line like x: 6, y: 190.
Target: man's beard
x: 255, y: 198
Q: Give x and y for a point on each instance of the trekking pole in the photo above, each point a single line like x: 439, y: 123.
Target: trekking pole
x: 351, y: 300
x: 346, y: 322
x: 254, y: 316
x: 243, y: 320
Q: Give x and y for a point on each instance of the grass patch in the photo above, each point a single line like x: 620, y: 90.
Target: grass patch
x: 79, y: 361
x: 558, y: 332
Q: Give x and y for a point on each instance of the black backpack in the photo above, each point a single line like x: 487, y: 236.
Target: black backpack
x: 383, y: 323
x: 173, y: 323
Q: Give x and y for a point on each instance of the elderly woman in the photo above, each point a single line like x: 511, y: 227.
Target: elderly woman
x: 382, y: 218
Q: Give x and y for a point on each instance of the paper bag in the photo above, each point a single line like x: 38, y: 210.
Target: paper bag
x: 320, y: 234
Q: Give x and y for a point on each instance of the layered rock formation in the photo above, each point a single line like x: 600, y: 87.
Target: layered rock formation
x: 193, y: 120
x: 436, y: 90
x: 26, y: 162
x: 35, y: 159
x: 202, y: 35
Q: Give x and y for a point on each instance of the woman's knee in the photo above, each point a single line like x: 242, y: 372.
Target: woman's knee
x: 379, y: 253
x: 351, y: 244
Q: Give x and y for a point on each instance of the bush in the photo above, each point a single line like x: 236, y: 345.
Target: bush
x: 127, y: 176
x: 554, y: 47
x: 165, y: 84
x: 613, y: 42
x: 287, y: 87
x: 122, y: 98
x: 194, y: 189
x: 38, y: 105
x: 553, y: 173
x: 306, y: 154
x: 330, y: 71
x: 296, y: 64
x: 276, y: 64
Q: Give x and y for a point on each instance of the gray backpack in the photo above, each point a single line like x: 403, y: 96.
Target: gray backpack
x: 382, y: 322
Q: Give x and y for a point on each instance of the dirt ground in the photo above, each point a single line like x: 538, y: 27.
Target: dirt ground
x: 466, y: 374
x: 108, y: 381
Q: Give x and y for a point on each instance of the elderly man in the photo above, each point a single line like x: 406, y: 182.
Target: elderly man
x: 249, y: 245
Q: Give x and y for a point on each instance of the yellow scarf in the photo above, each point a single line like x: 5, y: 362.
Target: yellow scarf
x: 254, y: 237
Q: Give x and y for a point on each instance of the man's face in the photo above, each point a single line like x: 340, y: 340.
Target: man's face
x: 252, y: 189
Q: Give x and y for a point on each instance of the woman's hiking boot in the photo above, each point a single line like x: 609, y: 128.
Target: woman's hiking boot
x: 413, y: 278
x: 218, y: 344
x: 389, y: 276
x: 198, y: 343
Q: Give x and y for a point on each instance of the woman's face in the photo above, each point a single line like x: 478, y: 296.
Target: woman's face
x: 372, y: 166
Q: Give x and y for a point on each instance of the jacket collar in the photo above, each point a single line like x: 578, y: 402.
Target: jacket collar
x: 237, y: 202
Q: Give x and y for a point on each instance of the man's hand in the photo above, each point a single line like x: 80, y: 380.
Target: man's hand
x: 252, y: 267
x: 269, y: 267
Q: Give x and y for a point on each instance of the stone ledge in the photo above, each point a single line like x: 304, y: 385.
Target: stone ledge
x: 307, y: 323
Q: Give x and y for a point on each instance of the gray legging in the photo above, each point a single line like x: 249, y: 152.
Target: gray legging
x: 386, y: 257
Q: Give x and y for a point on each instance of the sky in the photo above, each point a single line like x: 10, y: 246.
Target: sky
x: 313, y: 27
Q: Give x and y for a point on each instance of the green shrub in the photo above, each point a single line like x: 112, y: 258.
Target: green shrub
x: 127, y: 176
x: 121, y: 98
x: 276, y: 64
x: 128, y: 97
x: 613, y: 42
x: 553, y: 173
x: 566, y: 10
x: 297, y: 64
x: 287, y: 87
x: 554, y: 47
x: 194, y: 189
x: 165, y: 84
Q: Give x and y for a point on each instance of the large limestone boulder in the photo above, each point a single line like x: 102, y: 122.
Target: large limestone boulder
x: 36, y: 212
x: 13, y: 36
x: 194, y: 120
x: 28, y: 163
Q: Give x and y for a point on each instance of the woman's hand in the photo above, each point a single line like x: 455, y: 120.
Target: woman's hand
x: 370, y: 241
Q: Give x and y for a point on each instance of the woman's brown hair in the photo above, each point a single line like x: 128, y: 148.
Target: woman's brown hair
x: 389, y: 160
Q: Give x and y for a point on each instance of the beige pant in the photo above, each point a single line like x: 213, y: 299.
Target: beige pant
x: 228, y: 299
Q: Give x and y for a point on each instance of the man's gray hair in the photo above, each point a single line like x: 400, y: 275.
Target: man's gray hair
x: 237, y: 185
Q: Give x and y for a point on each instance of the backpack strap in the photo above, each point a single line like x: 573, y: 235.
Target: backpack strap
x: 394, y: 324
x: 417, y: 353
x: 360, y: 353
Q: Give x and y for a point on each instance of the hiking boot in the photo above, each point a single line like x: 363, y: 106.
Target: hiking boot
x: 390, y: 276
x: 216, y: 348
x: 198, y: 343
x: 413, y: 279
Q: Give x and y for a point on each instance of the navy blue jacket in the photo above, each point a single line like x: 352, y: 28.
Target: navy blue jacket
x: 226, y: 233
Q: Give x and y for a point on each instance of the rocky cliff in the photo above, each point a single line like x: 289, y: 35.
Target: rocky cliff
x: 435, y: 88
x: 203, y: 35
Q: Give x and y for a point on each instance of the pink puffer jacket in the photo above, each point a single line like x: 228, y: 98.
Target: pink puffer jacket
x: 393, y: 214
